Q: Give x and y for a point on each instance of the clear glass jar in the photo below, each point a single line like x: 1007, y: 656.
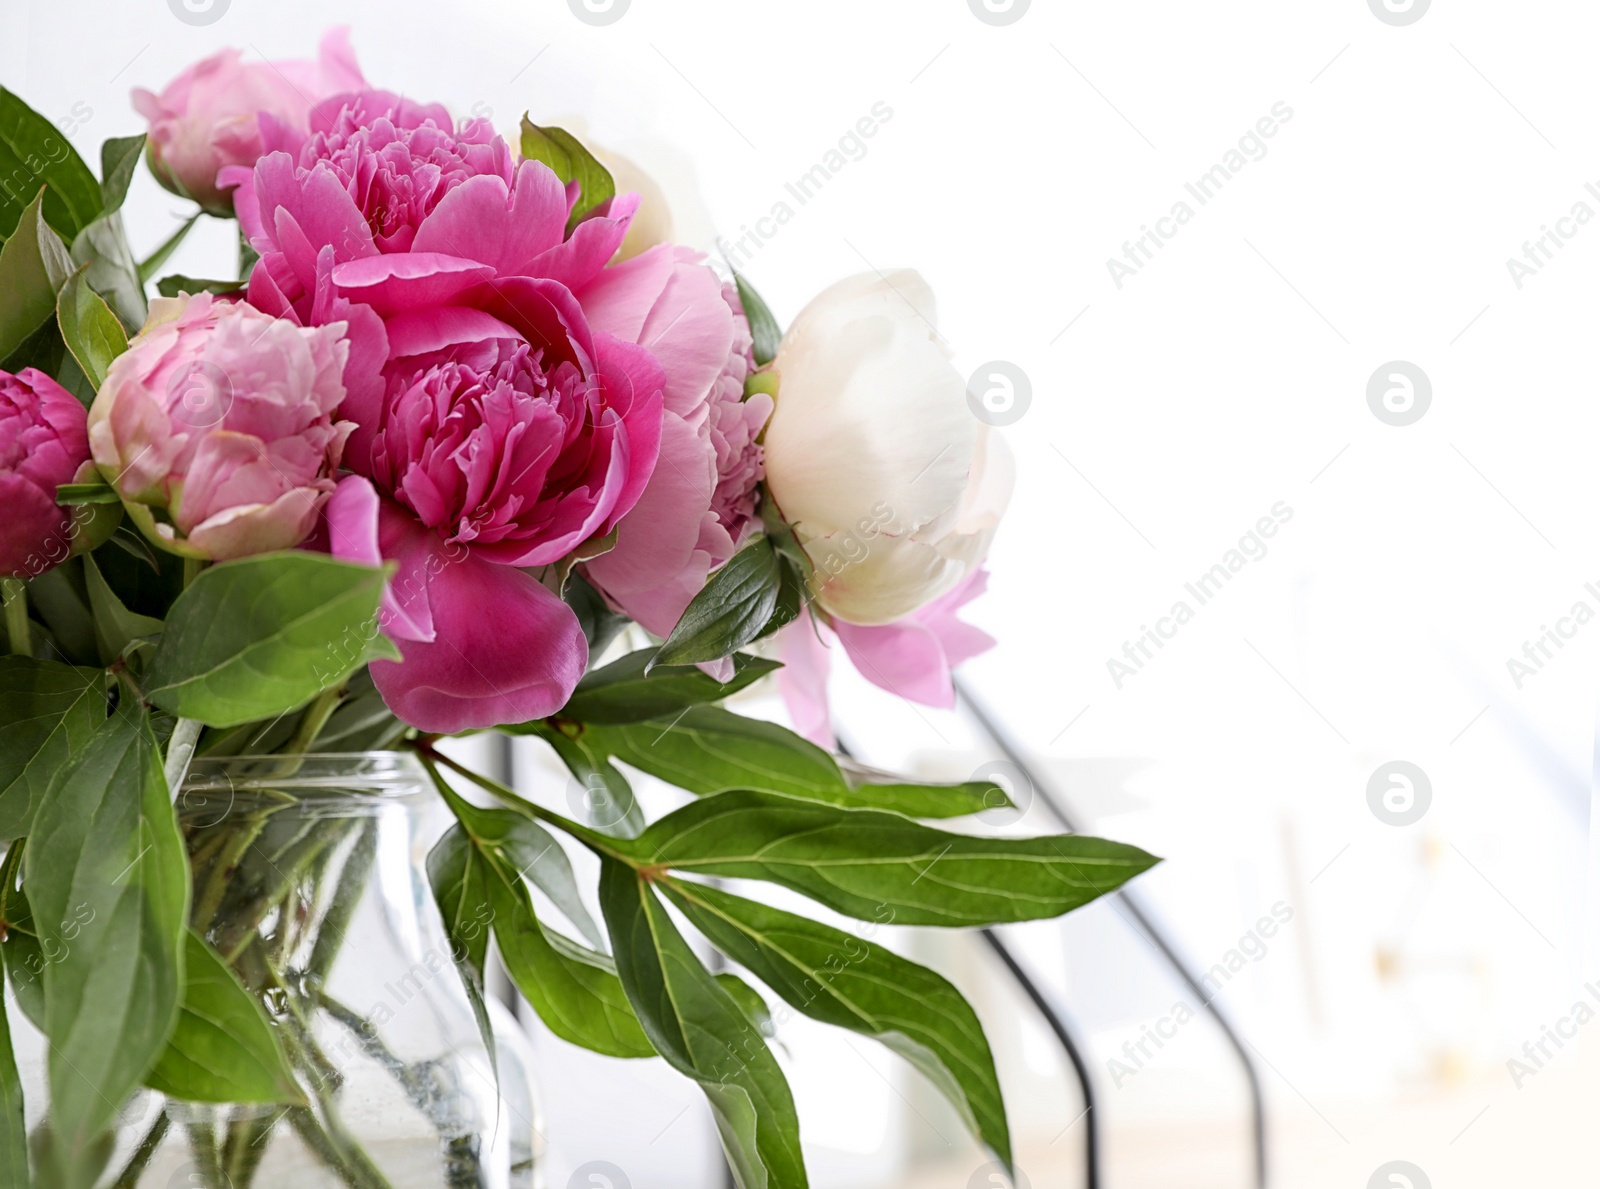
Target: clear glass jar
x: 309, y: 880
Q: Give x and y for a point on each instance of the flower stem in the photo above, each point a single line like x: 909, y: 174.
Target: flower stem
x: 18, y: 634
x: 129, y: 1177
x: 191, y: 570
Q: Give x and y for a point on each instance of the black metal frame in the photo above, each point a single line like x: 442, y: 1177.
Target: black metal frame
x: 1047, y: 797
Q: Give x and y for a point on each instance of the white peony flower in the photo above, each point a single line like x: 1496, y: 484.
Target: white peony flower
x: 874, y: 454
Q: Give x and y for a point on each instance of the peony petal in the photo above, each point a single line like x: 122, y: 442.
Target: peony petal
x: 803, y: 680
x: 483, y: 220
x: 400, y: 281
x: 904, y: 658
x: 506, y: 650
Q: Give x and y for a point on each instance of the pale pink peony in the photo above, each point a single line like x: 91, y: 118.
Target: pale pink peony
x: 498, y: 432
x: 216, y: 426
x: 223, y: 111
x: 912, y: 658
x: 701, y: 499
x: 43, y: 443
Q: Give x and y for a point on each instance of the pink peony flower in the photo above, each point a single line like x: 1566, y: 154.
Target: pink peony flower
x: 216, y: 426
x: 225, y: 112
x: 498, y: 432
x: 701, y: 499
x: 913, y: 657
x: 43, y: 443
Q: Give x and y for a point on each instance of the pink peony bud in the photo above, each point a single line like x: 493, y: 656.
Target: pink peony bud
x: 42, y: 444
x: 223, y: 111
x: 216, y: 427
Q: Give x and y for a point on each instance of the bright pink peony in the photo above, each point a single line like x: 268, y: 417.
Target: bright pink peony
x: 222, y: 111
x: 498, y: 430
x: 701, y: 499
x: 216, y: 426
x: 43, y: 443
x: 912, y: 657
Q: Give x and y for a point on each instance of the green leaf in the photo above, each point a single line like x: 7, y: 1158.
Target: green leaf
x: 47, y: 714
x: 89, y: 328
x: 457, y: 875
x: 223, y: 1049
x: 263, y: 635
x: 119, y: 157
x: 24, y: 958
x: 103, y: 248
x: 599, y: 622
x: 750, y: 1002
x: 13, y: 1130
x: 704, y: 1034
x: 107, y: 877
x: 95, y: 492
x: 178, y: 283
x: 115, y: 626
x: 34, y: 264
x: 565, y: 154
x: 732, y: 609
x: 763, y: 326
x: 843, y: 980
x: 35, y: 156
x: 533, y: 852
x: 882, y: 867
x: 707, y: 750
x: 632, y: 689
x: 61, y: 599
x: 151, y: 265
x: 608, y: 800
x: 574, y: 990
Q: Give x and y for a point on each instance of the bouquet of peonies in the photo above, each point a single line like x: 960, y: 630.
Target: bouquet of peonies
x: 457, y: 423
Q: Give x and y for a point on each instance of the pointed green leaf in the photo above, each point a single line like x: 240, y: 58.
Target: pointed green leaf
x: 456, y: 873
x: 89, y: 328
x: 608, y: 800
x: 707, y: 750
x: 151, y: 265
x: 882, y: 867
x: 763, y: 326
x: 632, y: 689
x: 47, y: 714
x: 843, y: 980
x: 734, y: 608
x: 107, y: 877
x: 571, y: 161
x: 704, y: 1034
x: 178, y: 283
x: 119, y: 157
x: 574, y: 989
x: 258, y: 637
x: 35, y: 156
x: 223, y: 1049
x: 34, y: 264
x: 115, y: 626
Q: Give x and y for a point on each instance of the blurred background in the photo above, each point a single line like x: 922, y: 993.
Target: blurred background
x: 1405, y: 951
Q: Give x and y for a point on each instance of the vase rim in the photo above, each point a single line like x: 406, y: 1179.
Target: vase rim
x: 371, y: 776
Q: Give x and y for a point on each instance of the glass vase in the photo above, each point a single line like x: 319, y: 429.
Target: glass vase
x: 309, y: 880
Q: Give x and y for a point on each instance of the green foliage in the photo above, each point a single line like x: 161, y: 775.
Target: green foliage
x: 564, y: 154
x: 751, y: 596
x: 763, y: 326
x: 261, y: 636
x: 704, y: 1033
x: 108, y: 882
x: 574, y: 989
x: 223, y: 1048
x: 706, y: 750
x: 89, y: 328
x: 34, y: 265
x: 48, y: 712
x: 882, y: 867
x: 840, y: 979
x: 634, y: 688
x: 36, y: 160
